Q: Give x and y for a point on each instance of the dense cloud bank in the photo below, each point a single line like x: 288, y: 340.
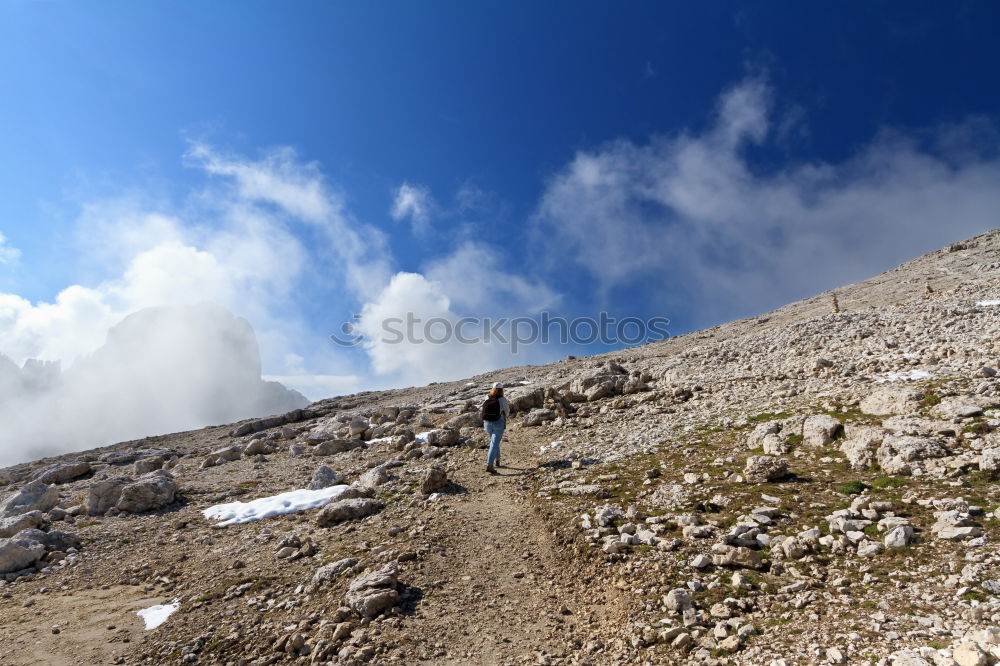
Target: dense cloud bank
x: 161, y: 370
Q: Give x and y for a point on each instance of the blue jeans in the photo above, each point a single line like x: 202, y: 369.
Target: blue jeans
x: 495, y: 430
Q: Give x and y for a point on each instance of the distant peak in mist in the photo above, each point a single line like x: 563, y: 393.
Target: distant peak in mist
x: 161, y: 370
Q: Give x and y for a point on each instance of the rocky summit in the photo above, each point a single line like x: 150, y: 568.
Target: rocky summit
x: 816, y: 485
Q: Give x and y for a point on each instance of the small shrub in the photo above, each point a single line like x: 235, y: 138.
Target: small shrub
x: 851, y: 488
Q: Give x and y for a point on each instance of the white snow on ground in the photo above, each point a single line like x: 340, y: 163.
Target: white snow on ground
x: 988, y: 303
x: 904, y: 376
x: 237, y: 513
x: 421, y: 436
x: 154, y: 616
x: 543, y: 449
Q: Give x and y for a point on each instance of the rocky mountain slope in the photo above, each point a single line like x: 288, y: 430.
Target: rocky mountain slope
x: 814, y: 485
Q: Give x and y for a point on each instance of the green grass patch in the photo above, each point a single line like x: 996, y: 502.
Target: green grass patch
x: 979, y: 478
x: 769, y: 416
x: 88, y: 523
x: 972, y: 595
x: 795, y: 440
x: 979, y: 428
x: 885, y: 482
x: 851, y: 488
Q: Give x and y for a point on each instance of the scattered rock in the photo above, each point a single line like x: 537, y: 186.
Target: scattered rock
x: 761, y: 469
x: 374, y: 592
x: 434, y: 479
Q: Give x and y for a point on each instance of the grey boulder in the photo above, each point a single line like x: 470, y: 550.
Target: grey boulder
x: 324, y: 477
x: 347, y: 509
x: 13, y: 524
x: 152, y: 491
x: 898, y: 454
x: 14, y: 556
x: 761, y: 469
x: 328, y: 572
x: 63, y: 472
x: 374, y: 592
x: 103, y: 495
x: 33, y: 496
x: 434, y: 479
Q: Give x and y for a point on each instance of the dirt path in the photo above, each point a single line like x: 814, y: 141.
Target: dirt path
x: 95, y: 626
x: 498, y: 590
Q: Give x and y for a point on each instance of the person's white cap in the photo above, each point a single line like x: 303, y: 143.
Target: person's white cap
x: 497, y: 385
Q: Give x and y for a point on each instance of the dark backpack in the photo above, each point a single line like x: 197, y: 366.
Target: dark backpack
x: 491, y: 409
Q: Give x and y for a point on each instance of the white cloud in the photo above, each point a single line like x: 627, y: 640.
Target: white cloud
x: 407, y: 352
x: 233, y: 245
x: 475, y: 280
x: 8, y: 254
x: 414, y: 202
x: 691, y: 211
x: 300, y: 190
x: 468, y: 282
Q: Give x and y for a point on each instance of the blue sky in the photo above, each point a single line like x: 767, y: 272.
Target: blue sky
x: 300, y: 162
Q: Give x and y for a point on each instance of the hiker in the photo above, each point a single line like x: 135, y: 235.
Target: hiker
x: 495, y: 411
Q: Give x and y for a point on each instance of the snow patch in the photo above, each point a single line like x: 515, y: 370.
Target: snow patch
x: 154, y: 616
x: 237, y: 513
x: 543, y: 449
x: 904, y: 376
x: 422, y: 436
x: 989, y: 303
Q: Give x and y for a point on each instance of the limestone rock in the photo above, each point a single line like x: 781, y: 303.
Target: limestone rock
x: 434, y: 479
x: 374, y: 592
x: 761, y: 469
x: 33, y: 496
x: 537, y: 417
x: 13, y: 524
x: 892, y: 400
x: 898, y: 454
x: 334, y: 446
x: 14, y: 556
x: 347, y: 509
x: 324, y: 477
x: 820, y: 430
x: 149, y: 492
x: 442, y: 437
x: 989, y: 459
x: 328, y: 572
x: 860, y: 446
x: 63, y: 472
x: 104, y: 494
x: 373, y: 478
